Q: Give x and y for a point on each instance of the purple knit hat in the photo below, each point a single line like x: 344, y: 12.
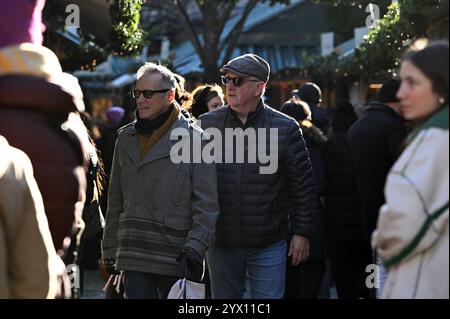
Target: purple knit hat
x: 21, y: 22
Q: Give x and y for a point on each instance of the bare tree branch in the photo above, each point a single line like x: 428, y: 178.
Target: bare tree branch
x: 195, y: 39
x: 210, y: 14
x: 226, y: 15
x: 223, y: 20
x: 206, y: 38
x: 231, y: 39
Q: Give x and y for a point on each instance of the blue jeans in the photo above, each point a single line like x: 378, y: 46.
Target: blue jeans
x: 265, y: 268
x: 141, y: 285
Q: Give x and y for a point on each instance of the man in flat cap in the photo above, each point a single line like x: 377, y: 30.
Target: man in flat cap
x: 254, y: 203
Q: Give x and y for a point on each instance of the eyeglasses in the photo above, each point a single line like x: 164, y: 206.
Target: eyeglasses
x: 236, y: 81
x: 147, y: 93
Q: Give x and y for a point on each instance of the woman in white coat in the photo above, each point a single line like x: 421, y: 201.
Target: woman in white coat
x: 412, y: 233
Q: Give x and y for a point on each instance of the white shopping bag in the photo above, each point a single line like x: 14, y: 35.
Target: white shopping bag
x: 186, y: 289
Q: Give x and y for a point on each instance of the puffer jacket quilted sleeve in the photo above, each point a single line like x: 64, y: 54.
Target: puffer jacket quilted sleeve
x: 300, y: 183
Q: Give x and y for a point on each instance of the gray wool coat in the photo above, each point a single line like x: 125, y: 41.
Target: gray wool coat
x: 157, y: 207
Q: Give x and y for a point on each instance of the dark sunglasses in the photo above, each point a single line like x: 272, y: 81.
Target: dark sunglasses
x: 147, y: 93
x: 236, y: 81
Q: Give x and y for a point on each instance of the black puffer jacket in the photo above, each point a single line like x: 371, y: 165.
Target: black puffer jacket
x: 254, y: 207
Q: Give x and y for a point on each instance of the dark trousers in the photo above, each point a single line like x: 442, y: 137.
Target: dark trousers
x: 304, y: 281
x: 140, y: 285
x: 348, y: 265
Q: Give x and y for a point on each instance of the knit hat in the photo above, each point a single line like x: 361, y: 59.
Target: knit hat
x: 388, y: 92
x: 21, y: 22
x: 310, y: 93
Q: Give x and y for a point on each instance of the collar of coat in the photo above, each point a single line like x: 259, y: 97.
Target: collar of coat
x: 163, y: 146
x: 437, y: 120
x: 252, y: 116
x: 380, y: 107
x: 158, y: 130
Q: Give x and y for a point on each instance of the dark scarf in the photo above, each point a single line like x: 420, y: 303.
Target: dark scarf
x: 149, y: 126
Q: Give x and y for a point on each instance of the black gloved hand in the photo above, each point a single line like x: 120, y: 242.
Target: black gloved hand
x: 191, y: 264
x: 110, y: 266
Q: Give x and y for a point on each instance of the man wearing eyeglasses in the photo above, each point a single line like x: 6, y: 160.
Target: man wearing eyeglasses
x: 161, y: 215
x: 253, y: 225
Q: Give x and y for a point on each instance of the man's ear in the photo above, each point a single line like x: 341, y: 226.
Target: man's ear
x: 171, y: 96
x: 261, y: 89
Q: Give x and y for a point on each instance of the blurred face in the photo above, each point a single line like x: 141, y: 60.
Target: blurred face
x: 215, y: 103
x: 245, y: 95
x: 416, y: 93
x: 158, y: 103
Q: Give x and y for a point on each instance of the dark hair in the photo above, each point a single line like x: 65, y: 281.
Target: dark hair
x: 99, y: 174
x: 343, y: 117
x: 388, y: 92
x: 299, y: 110
x: 201, y: 96
x: 183, y: 97
x: 433, y: 62
x: 129, y: 105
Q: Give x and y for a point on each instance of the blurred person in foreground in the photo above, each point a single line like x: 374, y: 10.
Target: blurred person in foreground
x: 39, y: 106
x: 412, y: 230
x: 29, y: 264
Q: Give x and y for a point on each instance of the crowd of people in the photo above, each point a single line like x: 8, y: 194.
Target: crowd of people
x: 347, y: 192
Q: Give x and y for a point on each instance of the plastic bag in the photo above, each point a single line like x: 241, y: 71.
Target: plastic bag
x: 186, y: 289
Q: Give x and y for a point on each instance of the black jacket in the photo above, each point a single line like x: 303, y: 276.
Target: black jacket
x: 315, y: 142
x: 254, y: 207
x: 375, y: 142
x: 341, y: 200
x: 320, y: 118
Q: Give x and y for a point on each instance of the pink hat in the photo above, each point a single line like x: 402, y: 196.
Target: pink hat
x: 21, y: 22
